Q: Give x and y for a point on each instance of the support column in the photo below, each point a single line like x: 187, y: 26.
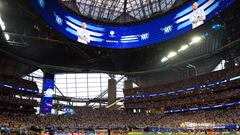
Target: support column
x: 112, y: 91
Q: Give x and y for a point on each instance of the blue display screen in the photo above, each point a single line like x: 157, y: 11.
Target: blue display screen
x: 159, y: 30
x: 69, y: 110
x: 47, y: 99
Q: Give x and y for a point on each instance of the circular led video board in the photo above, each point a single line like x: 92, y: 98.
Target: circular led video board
x: 158, y: 30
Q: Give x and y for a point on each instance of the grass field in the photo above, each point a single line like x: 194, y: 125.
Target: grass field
x: 177, y: 134
x: 181, y: 134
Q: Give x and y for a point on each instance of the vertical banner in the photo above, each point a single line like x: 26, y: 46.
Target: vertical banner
x: 48, y: 89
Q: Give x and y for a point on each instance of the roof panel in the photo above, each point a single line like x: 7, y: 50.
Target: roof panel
x: 108, y: 10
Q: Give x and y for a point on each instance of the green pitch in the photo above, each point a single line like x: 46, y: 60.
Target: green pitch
x: 168, y: 134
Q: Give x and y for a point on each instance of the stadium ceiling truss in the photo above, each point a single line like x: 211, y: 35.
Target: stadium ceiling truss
x: 111, y: 10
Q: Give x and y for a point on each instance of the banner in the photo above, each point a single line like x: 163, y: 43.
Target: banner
x: 48, y: 88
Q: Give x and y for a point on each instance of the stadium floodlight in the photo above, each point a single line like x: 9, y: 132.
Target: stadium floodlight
x: 183, y: 48
x: 2, y: 24
x: 7, y: 36
x: 171, y: 54
x: 195, y: 40
x: 1, y: 21
x: 164, y: 59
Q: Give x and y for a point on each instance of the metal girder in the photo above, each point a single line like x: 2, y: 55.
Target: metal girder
x: 109, y: 10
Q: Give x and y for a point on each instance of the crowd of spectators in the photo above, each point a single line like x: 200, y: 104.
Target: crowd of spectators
x: 12, y: 96
x: 189, y: 101
x: 187, y: 83
x: 199, y: 96
x: 17, y: 82
x: 89, y: 117
x: 13, y: 100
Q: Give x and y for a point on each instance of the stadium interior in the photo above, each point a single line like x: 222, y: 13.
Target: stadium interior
x: 184, y: 81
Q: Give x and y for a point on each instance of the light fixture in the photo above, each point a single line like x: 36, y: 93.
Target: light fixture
x: 1, y: 21
x: 183, y: 48
x: 2, y: 24
x: 164, y: 59
x: 171, y: 54
x: 7, y: 36
x: 195, y: 40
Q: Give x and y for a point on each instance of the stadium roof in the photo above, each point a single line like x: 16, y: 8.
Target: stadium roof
x: 115, y: 10
x: 33, y: 42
